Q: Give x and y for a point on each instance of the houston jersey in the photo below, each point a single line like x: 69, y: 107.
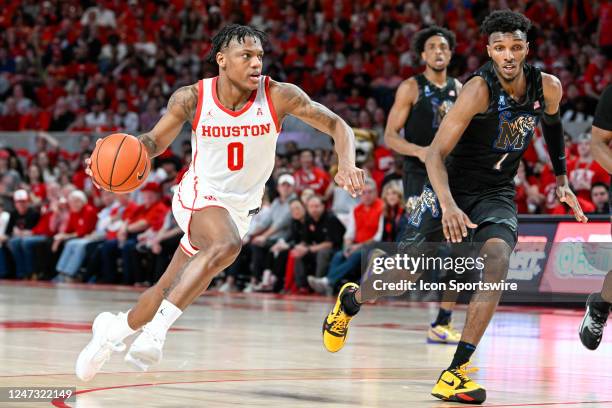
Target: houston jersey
x: 233, y: 152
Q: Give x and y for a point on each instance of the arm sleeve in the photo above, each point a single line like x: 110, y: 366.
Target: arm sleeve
x: 553, y: 134
x: 603, y: 113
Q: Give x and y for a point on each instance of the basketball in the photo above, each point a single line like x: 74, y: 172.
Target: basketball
x: 120, y: 163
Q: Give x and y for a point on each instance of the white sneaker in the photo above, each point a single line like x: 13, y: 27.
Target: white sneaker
x: 319, y: 285
x: 145, y: 351
x: 99, y: 349
x: 227, y: 287
x: 249, y: 288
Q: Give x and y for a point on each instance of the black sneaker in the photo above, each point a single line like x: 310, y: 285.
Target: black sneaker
x: 591, y: 329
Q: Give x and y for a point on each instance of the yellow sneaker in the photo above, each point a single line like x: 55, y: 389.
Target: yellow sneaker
x: 336, y: 324
x: 454, y: 385
x: 443, y: 335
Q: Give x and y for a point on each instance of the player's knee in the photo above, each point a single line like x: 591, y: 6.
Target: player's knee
x: 497, y: 253
x: 224, y: 251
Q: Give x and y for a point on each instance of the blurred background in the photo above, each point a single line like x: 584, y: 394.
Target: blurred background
x: 73, y: 71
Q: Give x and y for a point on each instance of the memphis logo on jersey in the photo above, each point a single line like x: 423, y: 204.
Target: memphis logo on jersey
x: 235, y: 131
x: 514, y: 131
x: 440, y: 109
x: 426, y: 202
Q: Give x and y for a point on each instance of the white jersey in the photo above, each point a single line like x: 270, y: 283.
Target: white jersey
x: 233, y: 152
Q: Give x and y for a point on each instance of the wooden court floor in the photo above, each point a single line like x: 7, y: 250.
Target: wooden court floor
x: 265, y: 351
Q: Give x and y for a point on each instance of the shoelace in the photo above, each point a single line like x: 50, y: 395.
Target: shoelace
x: 598, y: 322
x: 464, y: 370
x: 339, y: 325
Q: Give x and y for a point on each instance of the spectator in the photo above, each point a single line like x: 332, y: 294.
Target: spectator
x: 54, y: 215
x: 309, y: 175
x: 323, y: 235
x: 100, y: 16
x: 366, y: 226
x: 9, y: 180
x: 126, y: 120
x: 10, y: 117
x: 393, y: 198
x: 75, y: 250
x: 281, y: 248
x: 585, y: 171
x: 155, y: 250
x: 4, y: 220
x: 81, y: 222
x: 150, y: 214
x: 150, y: 116
x: 276, y: 226
x: 19, y: 230
x: 600, y: 197
x: 36, y: 184
x: 97, y: 118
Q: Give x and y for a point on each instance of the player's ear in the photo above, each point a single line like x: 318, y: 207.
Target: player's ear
x: 526, y: 47
x: 489, y: 50
x: 423, y: 56
x: 220, y: 57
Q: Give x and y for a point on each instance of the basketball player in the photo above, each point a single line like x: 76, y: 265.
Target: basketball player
x: 482, y: 139
x: 236, y: 118
x: 598, y: 304
x: 420, y: 104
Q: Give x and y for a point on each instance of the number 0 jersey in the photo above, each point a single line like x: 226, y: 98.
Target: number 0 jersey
x: 488, y: 153
x: 233, y: 152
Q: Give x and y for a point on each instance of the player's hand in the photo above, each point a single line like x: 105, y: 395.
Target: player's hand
x: 566, y: 195
x: 422, y: 153
x: 350, y: 178
x: 88, y: 167
x: 455, y: 224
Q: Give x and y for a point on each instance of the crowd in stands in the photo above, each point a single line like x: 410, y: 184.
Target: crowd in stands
x: 96, y: 67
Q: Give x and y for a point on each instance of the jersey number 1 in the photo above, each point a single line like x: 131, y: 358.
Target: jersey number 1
x: 499, y: 163
x: 235, y: 156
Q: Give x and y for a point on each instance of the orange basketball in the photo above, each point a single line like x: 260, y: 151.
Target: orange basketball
x: 120, y: 163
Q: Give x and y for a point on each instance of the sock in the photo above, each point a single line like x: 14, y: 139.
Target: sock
x: 349, y: 303
x: 122, y: 329
x: 443, y: 319
x: 164, y: 318
x: 462, y: 354
x: 600, y: 304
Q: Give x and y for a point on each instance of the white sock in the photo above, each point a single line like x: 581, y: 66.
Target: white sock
x: 122, y: 329
x: 164, y: 318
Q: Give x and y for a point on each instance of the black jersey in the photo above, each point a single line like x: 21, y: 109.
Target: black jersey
x: 425, y: 116
x: 489, y: 151
x: 603, y: 113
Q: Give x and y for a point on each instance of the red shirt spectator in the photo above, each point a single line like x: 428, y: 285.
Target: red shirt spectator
x: 311, y: 176
x: 585, y: 171
x: 153, y: 210
x: 82, y: 222
x: 51, y: 92
x: 367, y: 221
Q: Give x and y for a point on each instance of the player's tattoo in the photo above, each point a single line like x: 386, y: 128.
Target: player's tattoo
x: 185, y: 97
x: 149, y: 143
x: 177, y: 279
x: 300, y: 105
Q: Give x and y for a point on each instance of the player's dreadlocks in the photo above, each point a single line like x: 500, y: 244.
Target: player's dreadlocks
x: 233, y: 32
x: 505, y: 21
x: 419, y: 39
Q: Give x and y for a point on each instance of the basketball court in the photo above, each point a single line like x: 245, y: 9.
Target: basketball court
x: 265, y: 350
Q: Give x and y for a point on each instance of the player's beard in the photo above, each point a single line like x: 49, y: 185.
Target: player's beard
x: 436, y: 69
x: 500, y: 71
